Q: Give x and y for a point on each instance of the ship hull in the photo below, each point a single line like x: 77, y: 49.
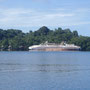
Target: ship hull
x: 55, y: 49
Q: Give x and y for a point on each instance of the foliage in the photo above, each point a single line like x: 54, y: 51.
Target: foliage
x: 17, y: 40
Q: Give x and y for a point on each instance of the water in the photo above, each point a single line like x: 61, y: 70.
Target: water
x: 44, y: 70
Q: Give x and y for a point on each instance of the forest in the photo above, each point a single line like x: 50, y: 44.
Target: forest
x: 16, y: 40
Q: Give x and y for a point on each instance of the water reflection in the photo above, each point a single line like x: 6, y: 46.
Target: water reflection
x: 16, y: 67
x: 44, y: 70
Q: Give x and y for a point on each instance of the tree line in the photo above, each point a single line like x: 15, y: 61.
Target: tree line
x: 16, y: 40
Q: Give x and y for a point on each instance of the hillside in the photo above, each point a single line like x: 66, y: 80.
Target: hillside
x: 17, y: 40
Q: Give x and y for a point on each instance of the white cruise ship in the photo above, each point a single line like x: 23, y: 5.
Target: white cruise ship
x: 54, y: 47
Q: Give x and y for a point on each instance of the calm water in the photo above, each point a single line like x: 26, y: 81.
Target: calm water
x: 44, y: 70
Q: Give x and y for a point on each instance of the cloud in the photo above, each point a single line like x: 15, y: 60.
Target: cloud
x: 2, y: 0
x: 28, y: 17
x: 58, y: 15
x: 83, y: 10
x: 40, y: 0
x: 21, y: 17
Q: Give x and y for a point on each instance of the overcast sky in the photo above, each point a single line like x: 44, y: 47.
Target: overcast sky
x: 32, y: 14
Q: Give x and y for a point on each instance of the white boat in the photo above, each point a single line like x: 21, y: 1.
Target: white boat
x: 54, y: 47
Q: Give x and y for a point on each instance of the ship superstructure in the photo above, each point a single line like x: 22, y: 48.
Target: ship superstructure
x: 55, y: 47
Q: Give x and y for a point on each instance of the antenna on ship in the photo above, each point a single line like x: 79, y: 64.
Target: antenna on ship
x: 9, y: 48
x: 46, y: 42
x: 63, y: 43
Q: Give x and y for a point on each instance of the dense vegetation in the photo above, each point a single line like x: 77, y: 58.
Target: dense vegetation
x: 17, y: 40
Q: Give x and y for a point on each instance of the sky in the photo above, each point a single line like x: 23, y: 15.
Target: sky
x: 32, y: 14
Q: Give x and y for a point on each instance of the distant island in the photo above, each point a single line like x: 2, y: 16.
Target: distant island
x: 16, y: 40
